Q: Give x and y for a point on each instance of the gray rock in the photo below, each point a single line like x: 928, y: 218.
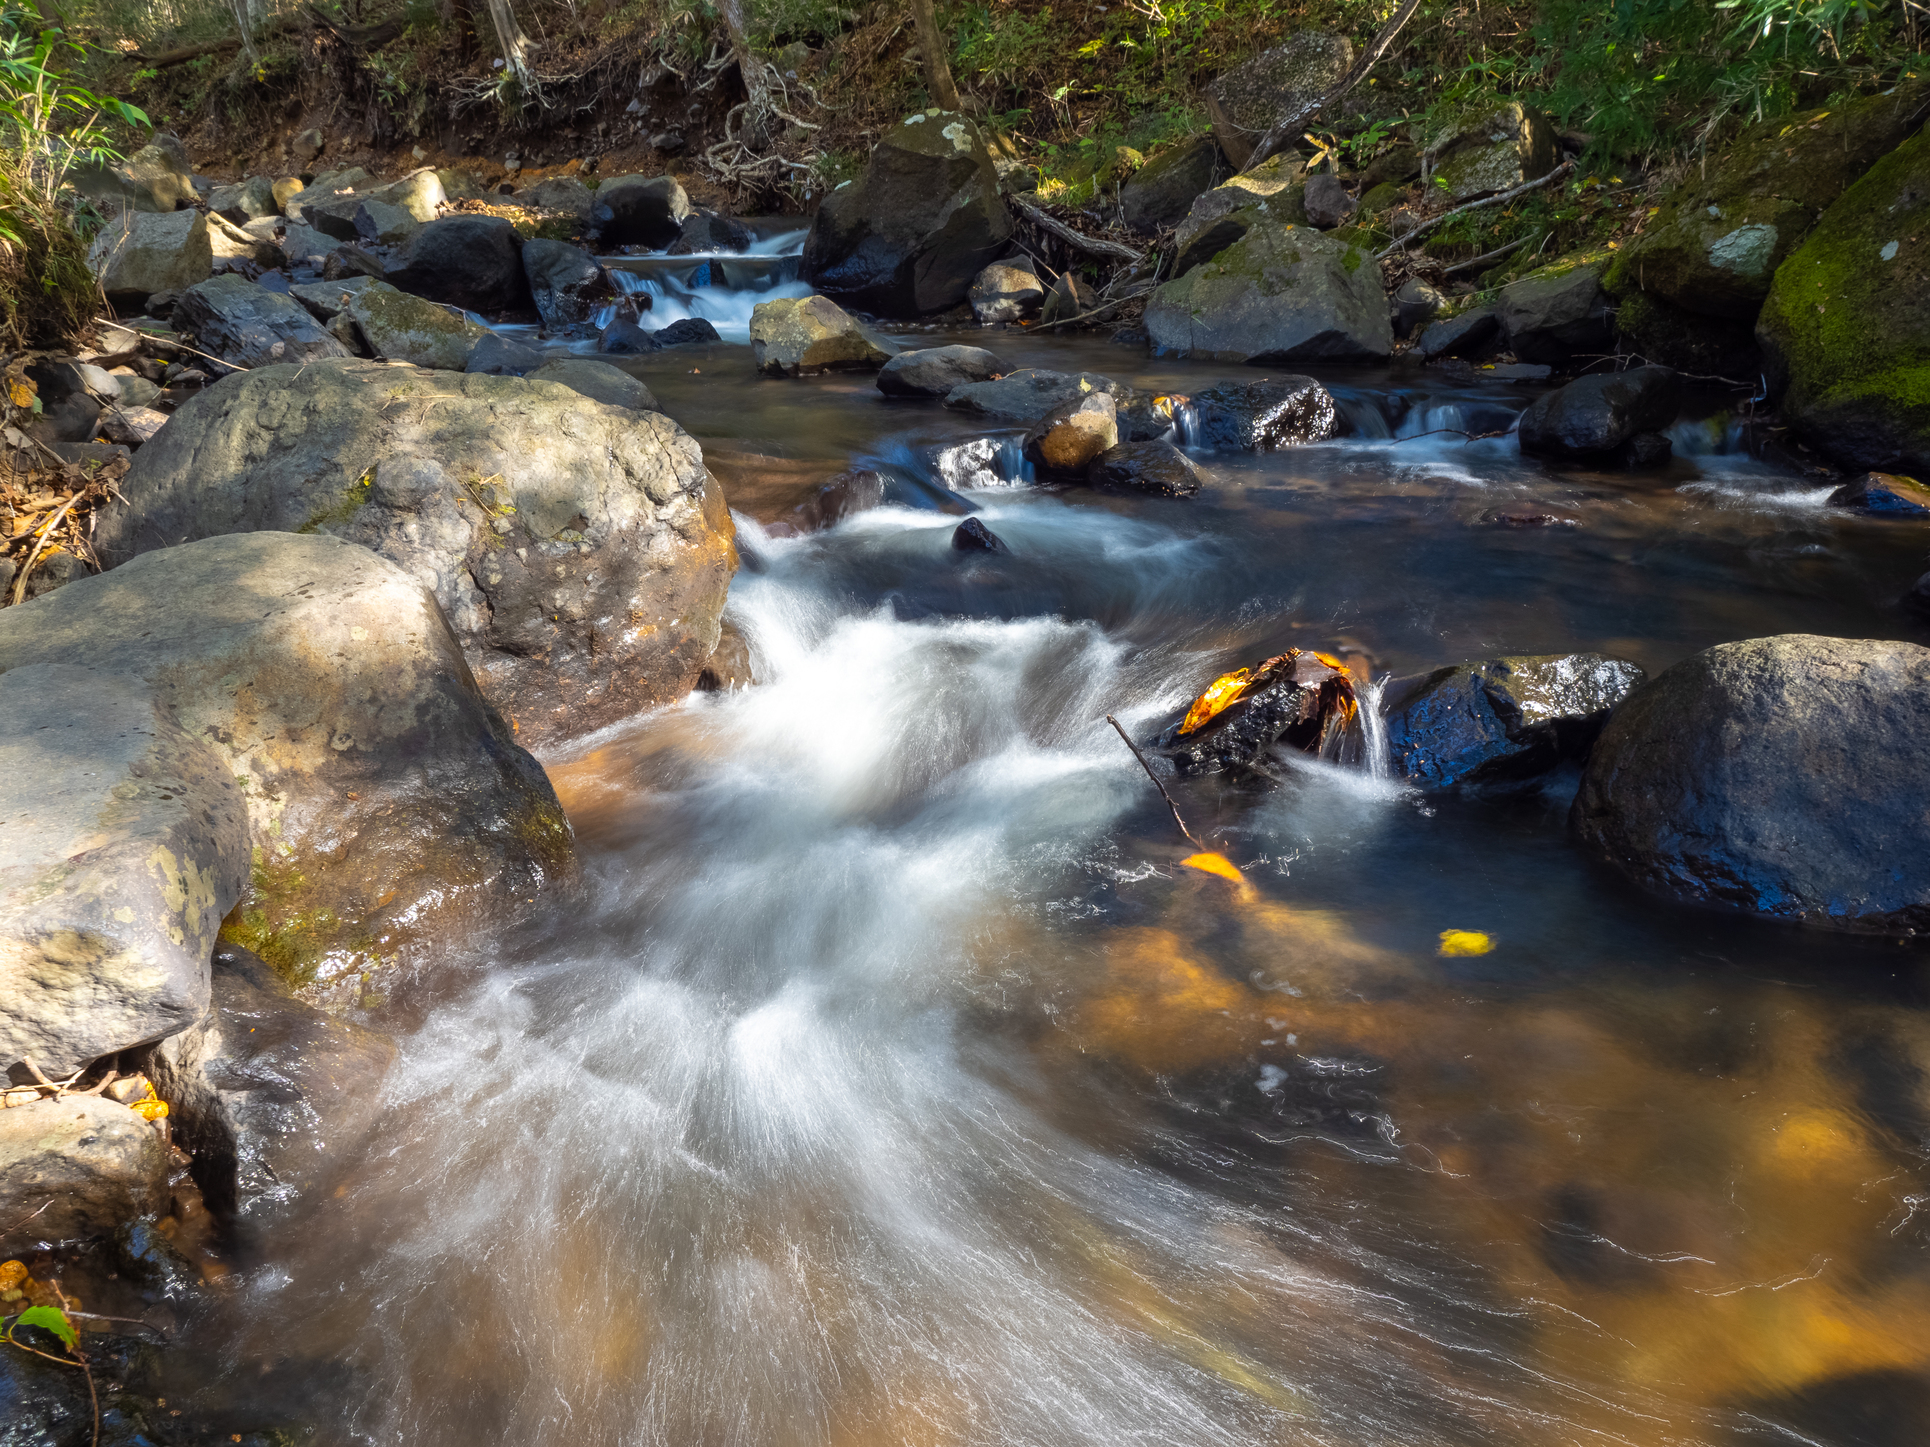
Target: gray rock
x: 910, y: 235
x: 706, y: 231
x: 245, y: 201
x: 1494, y: 148
x: 1246, y: 100
x: 1071, y: 297
x: 806, y: 336
x: 250, y: 326
x: 935, y: 371
x: 270, y: 1095
x: 1779, y: 775
x: 1275, y: 296
x: 566, y: 282
x: 535, y: 515
x: 327, y: 300
x: 1595, y: 417
x: 640, y: 211
x: 1156, y: 466
x: 1264, y: 416
x: 1501, y: 722
x: 1327, y: 202
x: 624, y: 338
x: 406, y: 328
x: 1064, y: 443
x: 307, y: 146
x: 1003, y: 292
x: 1163, y: 190
x: 599, y: 381
x: 1415, y: 305
x: 1555, y: 316
x: 392, y: 808
x: 156, y: 178
x: 1471, y: 333
x: 229, y: 242
x: 500, y: 356
x: 1023, y: 397
x: 304, y: 245
x: 377, y: 223
x: 1274, y: 191
x: 684, y: 332
x: 419, y: 194
x: 116, y: 867
x: 561, y: 193
x: 74, y: 1169
x: 474, y: 262
x: 140, y: 253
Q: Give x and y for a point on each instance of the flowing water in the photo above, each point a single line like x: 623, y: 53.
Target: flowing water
x: 892, y: 1084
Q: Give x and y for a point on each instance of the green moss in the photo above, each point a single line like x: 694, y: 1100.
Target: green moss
x: 343, y: 508
x: 292, y: 940
x: 1381, y: 198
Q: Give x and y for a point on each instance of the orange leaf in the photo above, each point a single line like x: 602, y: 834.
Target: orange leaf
x: 1225, y: 868
x: 1465, y: 942
x: 1221, y: 694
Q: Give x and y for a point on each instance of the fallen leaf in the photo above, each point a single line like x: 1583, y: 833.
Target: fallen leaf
x: 1220, y: 695
x: 1226, y: 869
x: 1465, y: 942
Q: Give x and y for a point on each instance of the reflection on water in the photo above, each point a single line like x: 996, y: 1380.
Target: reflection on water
x: 893, y: 1085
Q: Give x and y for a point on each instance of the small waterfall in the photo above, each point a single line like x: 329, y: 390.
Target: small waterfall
x: 1380, y: 754
x: 693, y: 286
x: 982, y: 462
x: 1186, y: 425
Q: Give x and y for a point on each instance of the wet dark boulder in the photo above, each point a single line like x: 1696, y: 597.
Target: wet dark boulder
x: 684, y: 332
x: 972, y: 536
x: 1472, y: 333
x: 1781, y: 775
x: 836, y: 498
x: 706, y: 231
x: 908, y: 237
x: 1502, y: 721
x: 1155, y: 466
x: 1558, y: 315
x: 934, y: 371
x: 1264, y: 416
x: 565, y: 281
x: 625, y: 338
x: 1161, y: 192
x: 1299, y: 701
x: 1917, y: 600
x: 1883, y: 492
x: 251, y: 326
x: 474, y: 262
x: 1596, y: 418
x: 640, y: 211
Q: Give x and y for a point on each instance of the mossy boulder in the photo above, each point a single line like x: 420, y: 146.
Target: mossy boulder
x: 1272, y: 191
x: 1480, y: 151
x: 1660, y: 332
x: 811, y: 335
x: 1713, y: 248
x: 1162, y: 191
x: 406, y: 328
x: 1845, y: 331
x: 1380, y: 198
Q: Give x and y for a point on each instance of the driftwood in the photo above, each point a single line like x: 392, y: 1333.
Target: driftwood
x: 1565, y: 168
x: 1156, y: 784
x: 1287, y: 128
x: 1091, y: 245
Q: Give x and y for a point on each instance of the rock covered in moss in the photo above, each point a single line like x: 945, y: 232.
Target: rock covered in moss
x: 139, y: 253
x: 1244, y: 101
x: 580, y: 551
x: 1658, y: 331
x: 1273, y: 191
x: 71, y: 1170
x: 1162, y: 191
x: 390, y: 807
x: 1279, y: 294
x: 125, y: 841
x: 251, y: 326
x: 908, y: 237
x: 406, y: 328
x: 1845, y: 331
x: 808, y: 336
x: 1487, y: 149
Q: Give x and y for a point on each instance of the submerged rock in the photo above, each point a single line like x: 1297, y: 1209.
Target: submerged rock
x: 808, y: 336
x: 624, y: 338
x: 1304, y: 702
x: 74, y: 1169
x: 1781, y: 775
x: 1155, y: 466
x: 1503, y: 721
x: 1003, y: 292
x: 836, y: 498
x: 1263, y: 416
x: 1598, y: 418
x: 935, y: 371
x: 972, y: 536
x: 1244, y: 101
x: 251, y: 326
x: 1066, y: 440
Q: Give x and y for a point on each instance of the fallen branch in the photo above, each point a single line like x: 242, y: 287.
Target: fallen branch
x: 20, y: 583
x: 1565, y: 168
x: 1091, y: 245
x: 1156, y: 784
x: 1495, y: 255
x: 1095, y: 312
x: 1282, y: 131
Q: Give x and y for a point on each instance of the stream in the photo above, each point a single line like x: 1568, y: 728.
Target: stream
x: 890, y: 1085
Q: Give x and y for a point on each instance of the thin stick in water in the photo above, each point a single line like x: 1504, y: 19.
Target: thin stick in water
x: 1156, y: 784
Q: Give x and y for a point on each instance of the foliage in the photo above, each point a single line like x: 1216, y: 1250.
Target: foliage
x: 50, y: 1319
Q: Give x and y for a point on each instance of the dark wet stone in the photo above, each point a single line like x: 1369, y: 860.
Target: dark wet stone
x: 934, y: 371
x: 1134, y: 336
x: 1884, y: 492
x: 1593, y: 418
x: 1261, y: 416
x: 1473, y: 333
x: 1155, y: 466
x: 682, y: 333
x: 729, y: 665
x: 626, y: 339
x: 1645, y: 452
x: 838, y: 497
x: 1296, y: 709
x: 1503, y: 720
x: 1917, y: 600
x: 43, y: 1403
x: 972, y: 536
x: 148, y: 1257
x: 1557, y: 317
x: 474, y: 262
x: 1529, y: 520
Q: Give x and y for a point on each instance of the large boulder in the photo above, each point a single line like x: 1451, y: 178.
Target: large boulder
x: 156, y: 178
x: 474, y: 262
x: 1245, y: 101
x: 251, y: 326
x: 1845, y: 332
x: 1595, y: 418
x: 406, y: 328
x: 564, y: 194
x: 245, y: 201
x: 935, y: 371
x: 1487, y: 149
x: 1156, y: 467
x: 139, y: 253
x: 1279, y: 294
x: 1558, y: 314
x: 599, y: 381
x: 909, y: 235
x: 270, y: 1095
x: 123, y: 842
x: 640, y: 211
x: 580, y: 551
x: 390, y: 807
x: 807, y: 336
x: 1263, y: 416
x: 1273, y: 191
x: 1723, y: 233
x: 1162, y: 191
x: 1003, y: 292
x: 72, y: 1170
x: 1023, y: 397
x: 1474, y: 332
x: 1504, y: 721
x: 1661, y: 332
x: 566, y: 282
x: 1782, y: 775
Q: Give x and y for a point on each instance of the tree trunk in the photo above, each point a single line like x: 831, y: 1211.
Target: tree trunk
x: 932, y: 46
x: 515, y: 44
x: 757, y: 118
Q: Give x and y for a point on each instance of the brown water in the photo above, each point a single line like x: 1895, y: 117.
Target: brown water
x: 893, y: 1085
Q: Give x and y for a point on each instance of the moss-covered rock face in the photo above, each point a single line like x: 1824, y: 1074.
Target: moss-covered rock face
x: 1487, y: 150
x: 1660, y: 332
x: 1845, y: 331
x: 1714, y: 247
x: 406, y: 328
x: 1272, y: 191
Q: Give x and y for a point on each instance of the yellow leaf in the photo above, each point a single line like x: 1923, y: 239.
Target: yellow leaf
x: 1225, y: 868
x: 149, y: 1109
x: 1220, y: 695
x: 1465, y: 942
x: 20, y: 392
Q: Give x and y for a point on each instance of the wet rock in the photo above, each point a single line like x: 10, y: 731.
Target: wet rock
x: 599, y: 381
x: 245, y: 201
x: 1489, y: 149
x: 74, y: 1169
x: 1162, y: 191
x: 1557, y: 315
x: 45, y: 1403
x: 1503, y: 721
x: 1071, y: 296
x: 406, y: 328
x: 972, y: 536
x: 1005, y: 293
x: 1276, y: 296
x: 837, y: 498
x: 909, y: 236
x: 566, y: 282
x: 1297, y: 701
x: 807, y: 336
x: 116, y: 866
x: 144, y: 1255
x: 270, y: 1095
x: 535, y: 515
x: 500, y: 356
x: 1883, y: 492
x: 1646, y: 452
x: 706, y: 231
x: 729, y: 666
x: 1273, y: 191
x: 139, y: 253
x: 1266, y: 415
x: 1415, y: 305
x: 1327, y: 203
x: 474, y: 262
x: 1519, y: 519
x: 242, y: 323
x: 686, y: 332
x: 1845, y: 331
x: 1781, y: 775
x: 1156, y: 466
x: 624, y: 338
x: 1596, y: 417
x: 156, y: 178
x: 391, y: 808
x: 1065, y: 441
x: 935, y: 371
x: 640, y: 211
x: 1917, y: 600
x: 1472, y: 333
x: 1245, y: 101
